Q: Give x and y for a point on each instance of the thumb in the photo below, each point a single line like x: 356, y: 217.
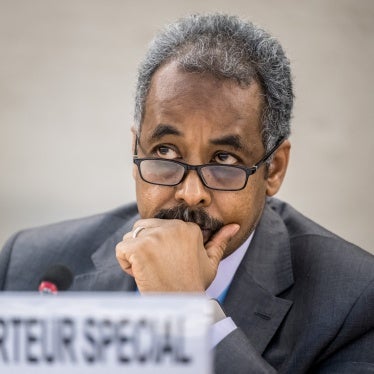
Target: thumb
x: 216, y: 246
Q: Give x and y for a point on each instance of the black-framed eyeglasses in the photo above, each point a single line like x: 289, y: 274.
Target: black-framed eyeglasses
x: 164, y: 172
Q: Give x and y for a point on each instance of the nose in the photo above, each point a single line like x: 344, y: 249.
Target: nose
x: 192, y: 192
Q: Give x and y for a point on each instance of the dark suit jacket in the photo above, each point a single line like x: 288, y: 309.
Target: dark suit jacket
x: 302, y: 298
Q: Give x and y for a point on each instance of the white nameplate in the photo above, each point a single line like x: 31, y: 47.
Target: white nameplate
x: 104, y: 333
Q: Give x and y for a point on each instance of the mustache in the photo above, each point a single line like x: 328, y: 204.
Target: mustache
x: 186, y: 214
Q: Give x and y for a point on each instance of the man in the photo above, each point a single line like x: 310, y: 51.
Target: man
x: 211, y: 148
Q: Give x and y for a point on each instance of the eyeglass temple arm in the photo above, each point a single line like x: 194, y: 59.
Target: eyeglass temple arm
x: 272, y: 150
x: 135, y: 155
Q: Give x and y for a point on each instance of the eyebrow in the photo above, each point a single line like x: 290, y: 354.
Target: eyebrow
x: 163, y: 129
x: 233, y: 141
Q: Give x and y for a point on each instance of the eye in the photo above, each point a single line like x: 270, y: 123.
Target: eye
x: 164, y: 151
x: 225, y: 158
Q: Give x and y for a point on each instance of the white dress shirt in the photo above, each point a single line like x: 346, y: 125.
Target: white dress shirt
x: 225, y: 273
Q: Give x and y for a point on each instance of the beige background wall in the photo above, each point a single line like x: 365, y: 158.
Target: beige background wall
x: 67, y: 76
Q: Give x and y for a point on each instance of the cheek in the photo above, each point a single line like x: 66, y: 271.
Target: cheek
x: 151, y: 198
x: 134, y: 172
x: 245, y: 208
x: 245, y: 205
x: 236, y: 209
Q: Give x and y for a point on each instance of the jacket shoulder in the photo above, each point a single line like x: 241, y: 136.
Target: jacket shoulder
x: 313, y: 245
x: 332, y: 294
x: 70, y: 242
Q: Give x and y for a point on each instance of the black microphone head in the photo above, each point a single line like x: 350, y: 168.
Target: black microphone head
x: 60, y: 275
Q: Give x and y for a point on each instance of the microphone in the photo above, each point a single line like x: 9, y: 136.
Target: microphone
x: 57, y: 278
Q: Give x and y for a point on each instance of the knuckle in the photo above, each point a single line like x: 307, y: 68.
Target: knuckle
x: 119, y: 247
x: 127, y: 235
x: 120, y: 253
x: 193, y: 227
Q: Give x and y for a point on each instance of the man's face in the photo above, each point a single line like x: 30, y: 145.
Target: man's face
x: 198, y: 119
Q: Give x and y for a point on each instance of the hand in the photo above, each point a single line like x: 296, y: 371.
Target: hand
x: 169, y: 255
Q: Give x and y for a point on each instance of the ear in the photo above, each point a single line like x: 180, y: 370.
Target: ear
x: 277, y: 169
x: 134, y: 168
x: 133, y: 132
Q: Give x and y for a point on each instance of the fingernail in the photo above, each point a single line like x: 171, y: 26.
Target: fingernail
x: 235, y: 229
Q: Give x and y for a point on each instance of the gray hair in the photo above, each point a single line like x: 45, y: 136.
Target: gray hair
x: 227, y: 48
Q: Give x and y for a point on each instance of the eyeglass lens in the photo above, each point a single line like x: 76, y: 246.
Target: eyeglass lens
x: 223, y: 177
x: 166, y: 172
x: 161, y: 172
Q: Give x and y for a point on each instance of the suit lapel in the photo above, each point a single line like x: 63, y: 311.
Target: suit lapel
x: 266, y: 271
x: 107, y: 274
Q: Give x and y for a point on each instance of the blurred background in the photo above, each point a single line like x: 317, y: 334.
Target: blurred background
x: 67, y: 82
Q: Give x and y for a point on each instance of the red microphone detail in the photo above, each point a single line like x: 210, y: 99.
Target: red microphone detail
x: 48, y: 288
